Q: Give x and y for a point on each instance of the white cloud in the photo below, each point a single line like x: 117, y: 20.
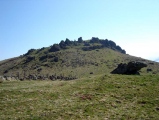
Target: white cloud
x: 145, y: 49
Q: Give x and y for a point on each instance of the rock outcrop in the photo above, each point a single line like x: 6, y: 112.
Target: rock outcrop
x: 2, y: 78
x: 129, y: 69
x: 37, y: 77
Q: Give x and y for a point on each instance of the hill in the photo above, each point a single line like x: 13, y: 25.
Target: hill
x: 71, y: 60
x: 95, y: 94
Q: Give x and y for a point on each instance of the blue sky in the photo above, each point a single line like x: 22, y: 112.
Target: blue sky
x: 26, y: 24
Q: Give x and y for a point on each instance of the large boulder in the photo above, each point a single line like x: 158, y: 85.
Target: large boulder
x: 129, y: 69
x: 2, y: 79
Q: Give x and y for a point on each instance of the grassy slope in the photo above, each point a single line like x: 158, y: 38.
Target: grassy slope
x: 73, y: 62
x: 96, y: 97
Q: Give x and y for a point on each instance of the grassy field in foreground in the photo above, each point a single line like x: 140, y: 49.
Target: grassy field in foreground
x: 96, y: 97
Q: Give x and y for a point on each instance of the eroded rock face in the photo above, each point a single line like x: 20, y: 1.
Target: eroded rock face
x: 129, y: 69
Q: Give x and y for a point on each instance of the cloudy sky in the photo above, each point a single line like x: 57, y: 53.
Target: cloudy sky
x: 26, y: 24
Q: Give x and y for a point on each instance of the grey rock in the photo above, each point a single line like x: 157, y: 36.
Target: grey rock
x: 2, y: 78
x: 129, y: 69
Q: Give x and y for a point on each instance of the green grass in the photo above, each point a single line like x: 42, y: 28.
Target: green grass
x: 96, y: 97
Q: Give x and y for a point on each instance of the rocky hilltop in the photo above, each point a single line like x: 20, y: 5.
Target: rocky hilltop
x: 70, y: 60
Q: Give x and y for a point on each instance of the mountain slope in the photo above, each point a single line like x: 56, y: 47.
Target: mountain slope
x: 70, y: 60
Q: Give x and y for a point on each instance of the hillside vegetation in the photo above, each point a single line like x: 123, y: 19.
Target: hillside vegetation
x: 72, y: 80
x: 71, y: 60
